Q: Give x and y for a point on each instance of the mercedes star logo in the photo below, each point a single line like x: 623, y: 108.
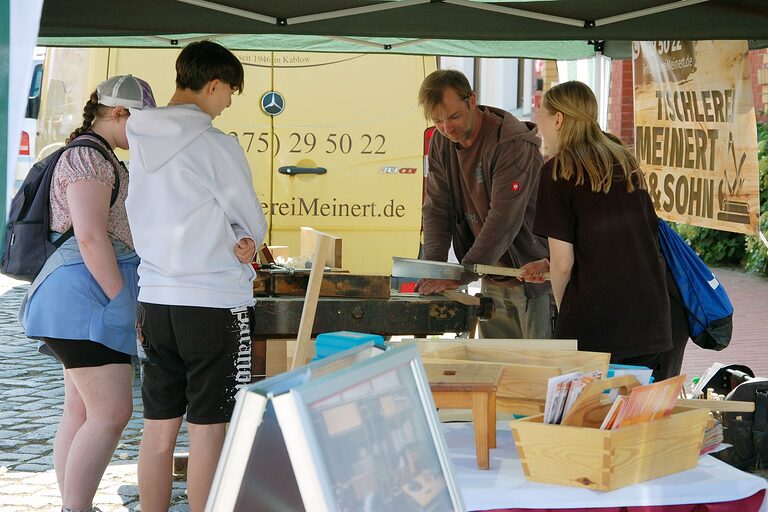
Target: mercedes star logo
x: 272, y: 103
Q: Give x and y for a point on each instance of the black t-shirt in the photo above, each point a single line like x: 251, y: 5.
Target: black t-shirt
x: 616, y: 300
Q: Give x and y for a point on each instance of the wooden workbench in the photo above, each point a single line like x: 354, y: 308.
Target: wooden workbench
x: 277, y: 318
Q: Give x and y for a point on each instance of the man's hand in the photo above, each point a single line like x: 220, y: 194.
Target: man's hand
x: 533, y: 272
x: 245, y: 250
x: 430, y: 286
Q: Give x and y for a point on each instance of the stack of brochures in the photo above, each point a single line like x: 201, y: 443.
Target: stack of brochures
x: 644, y: 403
x: 562, y: 392
x: 713, y: 437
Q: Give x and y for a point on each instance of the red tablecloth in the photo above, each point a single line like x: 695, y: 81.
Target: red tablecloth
x: 750, y: 504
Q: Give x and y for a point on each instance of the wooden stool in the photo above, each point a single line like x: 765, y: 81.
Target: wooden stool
x: 467, y: 385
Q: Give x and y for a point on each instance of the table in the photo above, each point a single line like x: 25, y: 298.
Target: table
x: 457, y: 386
x: 504, y: 487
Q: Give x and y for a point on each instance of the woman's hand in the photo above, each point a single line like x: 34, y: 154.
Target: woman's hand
x: 533, y: 272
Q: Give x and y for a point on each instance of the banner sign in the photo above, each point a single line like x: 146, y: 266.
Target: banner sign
x: 696, y: 132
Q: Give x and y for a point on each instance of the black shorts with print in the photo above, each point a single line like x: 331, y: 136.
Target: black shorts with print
x: 195, y: 360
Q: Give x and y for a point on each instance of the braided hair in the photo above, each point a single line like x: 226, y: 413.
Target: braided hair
x: 90, y: 111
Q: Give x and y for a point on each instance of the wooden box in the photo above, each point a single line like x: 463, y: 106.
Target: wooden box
x: 527, y: 365
x: 609, y: 459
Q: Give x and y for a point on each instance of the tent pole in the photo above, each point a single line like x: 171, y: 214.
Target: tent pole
x: 517, y: 12
x: 214, y: 6
x: 647, y: 12
x: 231, y: 10
x: 5, y: 70
x: 597, y: 81
x: 383, y: 46
x: 355, y: 10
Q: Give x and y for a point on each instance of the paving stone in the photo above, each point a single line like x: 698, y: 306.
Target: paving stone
x: 14, y: 459
x: 46, y: 432
x: 25, y: 398
x: 10, y: 444
x: 8, y: 433
x: 34, y: 449
x: 33, y: 406
x: 28, y: 466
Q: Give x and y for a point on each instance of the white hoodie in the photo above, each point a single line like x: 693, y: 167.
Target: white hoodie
x: 190, y: 199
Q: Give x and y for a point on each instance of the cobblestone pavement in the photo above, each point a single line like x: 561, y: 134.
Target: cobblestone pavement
x: 31, y: 402
x: 31, y: 398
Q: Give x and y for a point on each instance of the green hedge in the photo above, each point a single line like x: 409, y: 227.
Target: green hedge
x: 721, y: 248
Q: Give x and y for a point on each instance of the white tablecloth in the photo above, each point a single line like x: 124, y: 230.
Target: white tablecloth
x: 504, y: 484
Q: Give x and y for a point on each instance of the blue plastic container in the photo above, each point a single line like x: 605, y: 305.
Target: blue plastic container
x: 330, y: 343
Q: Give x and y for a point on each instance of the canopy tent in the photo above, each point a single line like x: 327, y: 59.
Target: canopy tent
x: 547, y: 29
x: 555, y: 29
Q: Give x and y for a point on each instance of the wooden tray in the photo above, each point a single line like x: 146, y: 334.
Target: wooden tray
x: 527, y: 365
x: 609, y: 459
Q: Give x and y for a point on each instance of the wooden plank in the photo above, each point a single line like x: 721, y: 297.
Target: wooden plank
x: 307, y: 245
x: 499, y: 271
x: 277, y: 357
x: 507, y: 344
x: 279, y: 317
x: 462, y: 376
x: 718, y: 405
x: 279, y: 251
x: 264, y: 255
x: 334, y: 284
x: 464, y: 298
x: 301, y: 355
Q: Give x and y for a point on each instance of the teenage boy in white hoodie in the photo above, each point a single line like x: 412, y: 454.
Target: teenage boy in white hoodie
x: 195, y: 220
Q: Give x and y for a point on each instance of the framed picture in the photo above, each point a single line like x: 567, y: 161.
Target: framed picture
x: 367, y: 438
x: 254, y: 472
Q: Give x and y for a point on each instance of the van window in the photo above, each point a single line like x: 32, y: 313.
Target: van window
x: 33, y: 104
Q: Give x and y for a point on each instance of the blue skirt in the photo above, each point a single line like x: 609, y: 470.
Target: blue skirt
x: 70, y: 304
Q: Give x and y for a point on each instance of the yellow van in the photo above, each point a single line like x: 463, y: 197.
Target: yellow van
x: 334, y: 141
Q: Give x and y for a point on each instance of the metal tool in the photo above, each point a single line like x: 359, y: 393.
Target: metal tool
x: 417, y: 269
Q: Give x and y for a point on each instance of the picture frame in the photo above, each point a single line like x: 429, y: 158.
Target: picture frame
x: 367, y: 438
x: 254, y: 472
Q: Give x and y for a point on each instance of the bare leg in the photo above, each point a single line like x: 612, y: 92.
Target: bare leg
x: 205, y: 443
x: 106, y: 393
x: 156, y: 463
x: 71, y: 421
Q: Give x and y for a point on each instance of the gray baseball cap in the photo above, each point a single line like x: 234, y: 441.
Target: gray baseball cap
x: 125, y: 91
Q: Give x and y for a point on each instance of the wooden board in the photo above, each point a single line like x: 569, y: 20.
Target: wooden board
x: 462, y: 376
x: 504, y: 343
x: 307, y: 245
x: 302, y: 354
x: 464, y: 298
x: 334, y: 284
x: 279, y: 317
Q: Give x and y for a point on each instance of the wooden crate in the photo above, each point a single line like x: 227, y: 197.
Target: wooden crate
x: 527, y: 365
x: 609, y: 459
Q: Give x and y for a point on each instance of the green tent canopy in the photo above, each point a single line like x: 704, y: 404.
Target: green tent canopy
x: 555, y: 29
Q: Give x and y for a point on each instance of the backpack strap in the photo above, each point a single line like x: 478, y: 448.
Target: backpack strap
x: 88, y: 141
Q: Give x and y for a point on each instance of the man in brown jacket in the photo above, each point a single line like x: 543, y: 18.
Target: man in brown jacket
x: 481, y: 196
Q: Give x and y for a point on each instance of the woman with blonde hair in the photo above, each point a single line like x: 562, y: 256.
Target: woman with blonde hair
x: 608, y: 274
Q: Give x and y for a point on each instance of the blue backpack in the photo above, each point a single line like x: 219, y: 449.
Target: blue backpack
x: 709, y: 309
x: 27, y: 245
